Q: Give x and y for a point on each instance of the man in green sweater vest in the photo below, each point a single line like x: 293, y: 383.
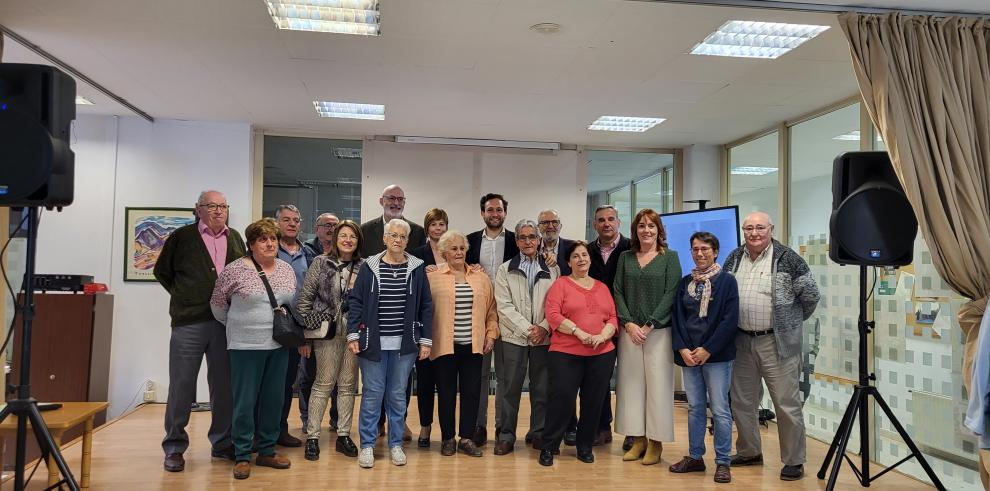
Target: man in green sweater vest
x: 191, y: 259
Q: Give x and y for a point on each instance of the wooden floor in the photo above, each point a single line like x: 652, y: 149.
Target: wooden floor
x: 127, y: 455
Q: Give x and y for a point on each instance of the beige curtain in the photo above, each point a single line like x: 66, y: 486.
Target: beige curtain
x: 926, y: 85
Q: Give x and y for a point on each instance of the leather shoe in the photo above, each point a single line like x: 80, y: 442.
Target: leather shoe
x: 585, y: 455
x: 627, y: 443
x: 467, y: 447
x: 792, y: 472
x: 174, y: 462
x: 570, y: 438
x: 546, y: 458
x: 346, y: 446
x: 274, y: 461
x: 225, y: 454
x: 529, y: 439
x: 604, y: 437
x: 740, y: 461
x: 504, y: 447
x: 723, y: 474
x: 312, y: 449
x: 480, y: 436
x: 287, y: 440
x: 448, y: 447
x: 538, y: 443
x: 242, y: 470
x: 687, y: 464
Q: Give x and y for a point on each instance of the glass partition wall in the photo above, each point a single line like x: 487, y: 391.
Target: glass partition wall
x: 630, y: 181
x: 917, y: 348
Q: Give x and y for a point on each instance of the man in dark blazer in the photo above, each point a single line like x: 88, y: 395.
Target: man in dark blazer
x: 552, y: 243
x: 490, y: 247
x: 393, y: 202
x: 605, y: 251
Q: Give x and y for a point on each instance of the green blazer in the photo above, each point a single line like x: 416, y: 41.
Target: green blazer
x: 646, y: 294
x: 186, y: 270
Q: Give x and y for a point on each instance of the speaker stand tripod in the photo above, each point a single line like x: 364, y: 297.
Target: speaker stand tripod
x: 24, y: 407
x: 860, y: 403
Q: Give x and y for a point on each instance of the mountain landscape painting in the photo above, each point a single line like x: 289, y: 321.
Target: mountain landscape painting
x: 147, y: 229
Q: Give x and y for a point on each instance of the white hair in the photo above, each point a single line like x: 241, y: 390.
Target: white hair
x: 397, y: 223
x: 281, y: 208
x: 203, y: 194
x: 449, y: 237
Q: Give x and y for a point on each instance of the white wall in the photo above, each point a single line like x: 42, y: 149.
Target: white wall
x: 123, y: 162
x: 701, y: 175
x: 455, y: 177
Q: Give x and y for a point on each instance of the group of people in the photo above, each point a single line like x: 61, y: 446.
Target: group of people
x: 388, y: 295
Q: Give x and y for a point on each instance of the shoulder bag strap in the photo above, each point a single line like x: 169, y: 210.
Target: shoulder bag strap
x: 268, y: 286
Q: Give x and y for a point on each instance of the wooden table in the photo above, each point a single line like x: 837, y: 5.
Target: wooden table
x: 70, y: 415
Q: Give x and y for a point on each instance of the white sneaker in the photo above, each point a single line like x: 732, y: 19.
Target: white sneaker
x: 366, y: 458
x: 398, y: 456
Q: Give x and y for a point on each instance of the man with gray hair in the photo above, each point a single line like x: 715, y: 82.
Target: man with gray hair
x: 552, y: 243
x: 187, y: 267
x: 326, y: 224
x: 521, y: 286
x: 777, y: 293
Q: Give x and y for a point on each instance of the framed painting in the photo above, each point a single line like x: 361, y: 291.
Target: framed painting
x: 145, y: 232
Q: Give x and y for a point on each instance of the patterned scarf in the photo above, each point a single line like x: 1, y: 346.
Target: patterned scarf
x: 704, y: 277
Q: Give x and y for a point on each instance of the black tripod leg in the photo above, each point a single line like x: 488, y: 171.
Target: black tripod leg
x: 846, y: 417
x: 45, y: 440
x: 846, y: 432
x: 910, y: 443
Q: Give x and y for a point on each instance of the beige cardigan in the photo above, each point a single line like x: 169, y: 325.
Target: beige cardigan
x: 484, y: 321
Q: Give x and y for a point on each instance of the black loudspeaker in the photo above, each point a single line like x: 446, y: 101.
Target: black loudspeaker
x: 37, y: 106
x: 872, y: 221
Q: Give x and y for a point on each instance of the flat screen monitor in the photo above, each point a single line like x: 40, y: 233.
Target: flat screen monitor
x: 722, y: 222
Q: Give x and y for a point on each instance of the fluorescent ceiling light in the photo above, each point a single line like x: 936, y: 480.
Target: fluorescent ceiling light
x: 346, y: 153
x: 350, y: 110
x: 479, y: 143
x: 853, y: 135
x: 624, y: 123
x: 753, y: 171
x: 748, y: 39
x: 336, y: 16
x: 82, y: 101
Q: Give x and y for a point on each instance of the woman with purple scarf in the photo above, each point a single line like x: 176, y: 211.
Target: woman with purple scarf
x: 705, y: 320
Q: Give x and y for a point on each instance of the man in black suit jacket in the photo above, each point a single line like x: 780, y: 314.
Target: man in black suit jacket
x: 552, y: 242
x: 393, y: 202
x: 483, y: 248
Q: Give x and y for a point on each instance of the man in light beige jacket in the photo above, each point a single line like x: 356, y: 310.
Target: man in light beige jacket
x: 521, y: 285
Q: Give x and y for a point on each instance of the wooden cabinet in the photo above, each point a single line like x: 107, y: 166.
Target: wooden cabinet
x: 70, y: 352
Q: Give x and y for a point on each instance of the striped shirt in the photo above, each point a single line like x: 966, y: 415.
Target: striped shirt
x: 394, y: 281
x: 463, y: 301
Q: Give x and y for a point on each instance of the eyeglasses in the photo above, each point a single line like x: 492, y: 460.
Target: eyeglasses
x: 549, y: 222
x: 755, y: 228
x: 527, y: 238
x: 330, y: 226
x: 215, y: 207
x: 394, y: 199
x: 395, y: 236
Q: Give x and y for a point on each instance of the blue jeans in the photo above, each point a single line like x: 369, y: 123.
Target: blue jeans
x: 709, y: 384
x: 385, y: 379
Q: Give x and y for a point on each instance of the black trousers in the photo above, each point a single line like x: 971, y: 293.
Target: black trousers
x: 461, y: 368
x: 568, y: 374
x: 605, y: 419
x: 426, y: 386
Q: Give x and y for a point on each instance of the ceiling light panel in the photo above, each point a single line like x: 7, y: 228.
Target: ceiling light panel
x: 748, y: 39
x: 624, y: 123
x: 349, y: 110
x: 752, y: 171
x: 337, y: 16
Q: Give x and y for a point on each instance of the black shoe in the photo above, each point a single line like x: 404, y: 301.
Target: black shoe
x: 627, y: 443
x: 740, y: 461
x: 529, y: 439
x: 423, y: 442
x: 225, y: 454
x: 312, y: 449
x: 570, y: 438
x: 546, y: 458
x: 480, y: 436
x: 792, y: 472
x: 585, y: 455
x: 346, y: 446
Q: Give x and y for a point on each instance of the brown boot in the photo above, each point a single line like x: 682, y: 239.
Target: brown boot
x: 653, y: 451
x: 242, y: 470
x: 637, y: 450
x: 274, y: 461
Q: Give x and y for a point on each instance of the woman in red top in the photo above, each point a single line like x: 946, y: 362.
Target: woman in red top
x: 581, y: 314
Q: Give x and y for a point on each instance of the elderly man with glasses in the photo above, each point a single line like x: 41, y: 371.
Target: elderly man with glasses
x: 326, y: 223
x: 777, y: 293
x: 191, y: 259
x: 552, y: 244
x: 393, y: 203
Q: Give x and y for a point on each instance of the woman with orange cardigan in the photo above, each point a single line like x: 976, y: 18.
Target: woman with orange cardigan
x: 465, y: 327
